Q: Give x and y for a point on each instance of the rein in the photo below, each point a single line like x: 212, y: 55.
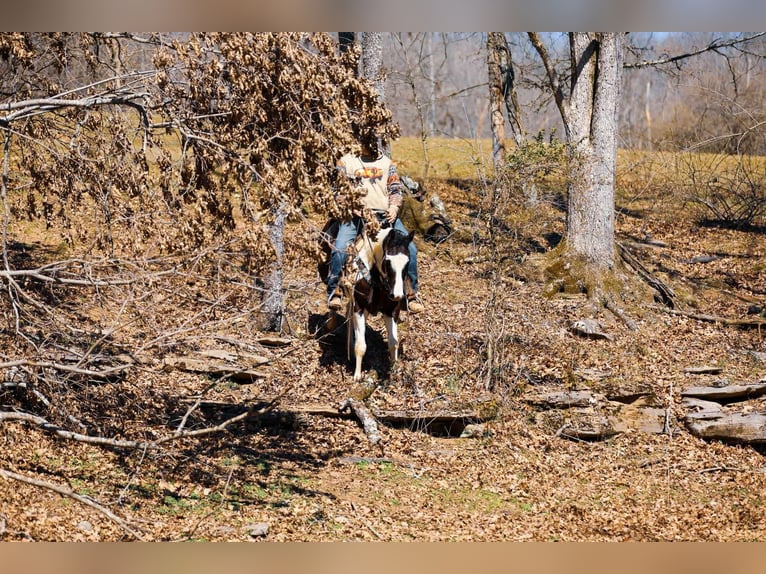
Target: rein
x: 364, y: 270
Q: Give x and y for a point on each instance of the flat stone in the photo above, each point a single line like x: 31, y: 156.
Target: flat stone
x: 727, y: 393
x: 258, y: 529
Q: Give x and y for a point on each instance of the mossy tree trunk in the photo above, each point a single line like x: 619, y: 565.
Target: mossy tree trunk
x: 592, y: 137
x: 589, y: 113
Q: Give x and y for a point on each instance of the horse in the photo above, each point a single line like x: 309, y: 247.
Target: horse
x: 375, y: 282
x: 377, y: 285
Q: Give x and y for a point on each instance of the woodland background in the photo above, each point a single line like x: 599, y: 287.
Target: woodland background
x: 166, y: 369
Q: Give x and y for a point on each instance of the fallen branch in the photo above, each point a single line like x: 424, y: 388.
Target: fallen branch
x: 103, y: 441
x: 368, y: 421
x: 252, y: 411
x: 63, y: 433
x: 105, y: 374
x: 7, y: 474
x: 439, y: 422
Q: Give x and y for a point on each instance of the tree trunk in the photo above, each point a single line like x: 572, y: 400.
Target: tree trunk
x: 372, y: 60
x: 371, y: 68
x: 273, y: 285
x: 495, y: 80
x: 502, y: 82
x: 592, y: 137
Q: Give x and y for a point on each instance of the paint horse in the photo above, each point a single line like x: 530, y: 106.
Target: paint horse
x: 378, y: 286
x: 376, y: 283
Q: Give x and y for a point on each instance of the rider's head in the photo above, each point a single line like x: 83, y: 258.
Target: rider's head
x: 368, y: 138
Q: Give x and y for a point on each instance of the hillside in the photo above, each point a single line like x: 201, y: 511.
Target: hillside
x: 300, y: 471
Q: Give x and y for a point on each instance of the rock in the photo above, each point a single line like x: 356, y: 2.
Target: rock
x: 701, y: 406
x: 603, y: 423
x: 589, y: 328
x: 85, y: 526
x: 647, y: 419
x: 258, y: 529
x: 702, y: 259
x: 628, y: 392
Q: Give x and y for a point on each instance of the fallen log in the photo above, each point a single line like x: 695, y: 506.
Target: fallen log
x: 436, y: 422
x: 727, y: 393
x: 747, y: 428
x: 368, y: 421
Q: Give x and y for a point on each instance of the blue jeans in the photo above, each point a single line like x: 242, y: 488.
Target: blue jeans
x: 347, y: 232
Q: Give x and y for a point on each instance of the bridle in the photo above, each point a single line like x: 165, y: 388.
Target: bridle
x: 382, y: 275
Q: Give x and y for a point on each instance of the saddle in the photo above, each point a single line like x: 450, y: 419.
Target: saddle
x: 327, y: 241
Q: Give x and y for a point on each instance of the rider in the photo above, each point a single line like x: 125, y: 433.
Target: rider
x: 376, y: 172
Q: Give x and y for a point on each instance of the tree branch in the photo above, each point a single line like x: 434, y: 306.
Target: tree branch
x: 712, y: 47
x: 7, y: 474
x: 27, y: 108
x: 553, y: 78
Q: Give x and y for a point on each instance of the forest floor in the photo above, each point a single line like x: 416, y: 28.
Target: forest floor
x: 298, y: 473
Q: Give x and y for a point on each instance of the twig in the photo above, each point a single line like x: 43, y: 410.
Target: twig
x: 132, y: 476
x: 375, y: 532
x: 79, y: 498
x: 43, y: 399
x: 722, y: 468
x: 194, y: 407
x: 218, y: 428
x: 714, y: 46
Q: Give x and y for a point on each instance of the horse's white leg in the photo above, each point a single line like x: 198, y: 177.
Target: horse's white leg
x: 393, y: 338
x: 360, y: 345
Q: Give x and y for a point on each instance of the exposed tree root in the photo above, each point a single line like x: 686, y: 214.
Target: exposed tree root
x: 604, y: 288
x: 747, y: 323
x: 664, y: 292
x: 620, y: 314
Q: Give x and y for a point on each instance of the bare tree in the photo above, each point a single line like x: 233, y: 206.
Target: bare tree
x: 502, y: 89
